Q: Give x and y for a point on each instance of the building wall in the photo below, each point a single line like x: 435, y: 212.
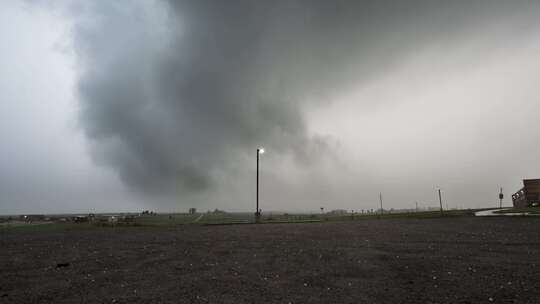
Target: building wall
x: 532, y: 190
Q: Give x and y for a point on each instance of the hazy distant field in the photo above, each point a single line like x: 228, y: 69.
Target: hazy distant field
x: 223, y: 218
x: 403, y: 260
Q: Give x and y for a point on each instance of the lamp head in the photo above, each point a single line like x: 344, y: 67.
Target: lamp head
x: 260, y: 150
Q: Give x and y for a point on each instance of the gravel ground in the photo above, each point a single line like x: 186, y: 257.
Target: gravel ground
x: 448, y: 260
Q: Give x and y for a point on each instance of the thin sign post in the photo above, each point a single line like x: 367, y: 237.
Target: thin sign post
x: 440, y: 201
x: 501, y: 196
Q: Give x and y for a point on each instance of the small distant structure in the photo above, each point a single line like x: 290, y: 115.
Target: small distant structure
x: 192, y: 210
x: 338, y: 212
x: 32, y: 217
x: 80, y: 219
x: 217, y: 211
x: 527, y: 196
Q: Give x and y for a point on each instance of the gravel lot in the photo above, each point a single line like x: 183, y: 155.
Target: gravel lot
x: 448, y: 260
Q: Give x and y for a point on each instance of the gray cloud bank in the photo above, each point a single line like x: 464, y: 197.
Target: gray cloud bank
x: 176, y: 96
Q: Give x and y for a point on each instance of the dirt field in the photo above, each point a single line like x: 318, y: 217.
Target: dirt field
x: 452, y: 260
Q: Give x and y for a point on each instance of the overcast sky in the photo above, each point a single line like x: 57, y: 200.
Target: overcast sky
x: 132, y: 105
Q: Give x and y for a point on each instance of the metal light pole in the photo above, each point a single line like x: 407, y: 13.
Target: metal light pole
x: 257, y: 212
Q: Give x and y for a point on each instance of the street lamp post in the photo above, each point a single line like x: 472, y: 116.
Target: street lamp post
x: 257, y: 212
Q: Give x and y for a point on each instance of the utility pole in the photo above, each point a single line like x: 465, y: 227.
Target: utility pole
x: 257, y: 214
x: 257, y: 211
x: 416, y: 207
x: 380, y: 198
x: 440, y: 201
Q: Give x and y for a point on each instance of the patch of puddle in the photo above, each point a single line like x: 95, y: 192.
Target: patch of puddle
x: 492, y: 212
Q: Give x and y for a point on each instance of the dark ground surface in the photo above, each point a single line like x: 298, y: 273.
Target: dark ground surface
x: 449, y: 260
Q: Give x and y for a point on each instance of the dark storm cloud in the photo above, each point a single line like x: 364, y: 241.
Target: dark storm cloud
x: 179, y: 98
